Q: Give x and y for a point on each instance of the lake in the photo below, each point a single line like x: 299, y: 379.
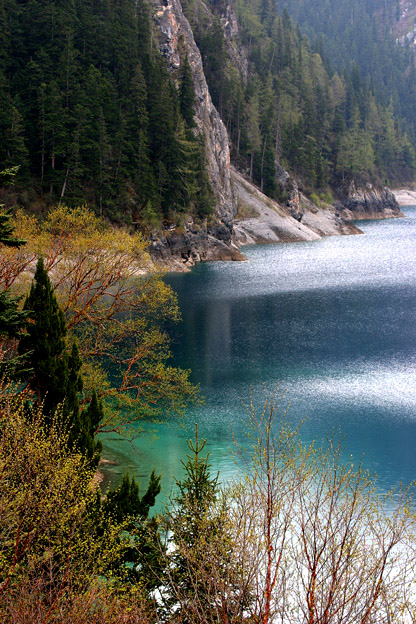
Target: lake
x: 332, y: 321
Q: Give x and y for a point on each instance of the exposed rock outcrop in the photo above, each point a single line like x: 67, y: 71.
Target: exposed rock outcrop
x: 261, y: 220
x: 367, y: 201
x: 179, y: 250
x: 404, y: 28
x: 235, y: 50
x: 175, y: 35
x: 289, y: 189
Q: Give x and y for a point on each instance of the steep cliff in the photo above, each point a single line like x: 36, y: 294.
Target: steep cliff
x: 404, y: 29
x: 176, y: 37
x: 213, y: 240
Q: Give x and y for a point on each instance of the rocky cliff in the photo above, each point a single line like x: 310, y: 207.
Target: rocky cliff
x: 404, y: 29
x: 212, y: 241
x: 367, y: 201
x: 176, y: 38
x: 259, y: 219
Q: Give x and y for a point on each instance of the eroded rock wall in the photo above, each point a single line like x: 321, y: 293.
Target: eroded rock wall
x: 261, y: 220
x: 367, y: 201
x: 175, y: 35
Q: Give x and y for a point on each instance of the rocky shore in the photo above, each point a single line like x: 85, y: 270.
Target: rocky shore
x: 260, y: 220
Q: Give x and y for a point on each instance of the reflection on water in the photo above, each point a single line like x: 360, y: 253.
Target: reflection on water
x: 334, y: 321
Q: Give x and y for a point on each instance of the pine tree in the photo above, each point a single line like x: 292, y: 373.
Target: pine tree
x: 11, y: 319
x: 204, y: 200
x: 81, y: 425
x: 201, y: 563
x: 91, y: 418
x: 137, y: 145
x: 197, y: 493
x: 44, y: 342
x: 126, y: 500
x: 186, y: 93
x: 55, y: 374
x: 356, y: 154
x: 253, y: 129
x: 125, y: 505
x: 194, y: 524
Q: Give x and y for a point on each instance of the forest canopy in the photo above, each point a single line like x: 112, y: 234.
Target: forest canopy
x: 323, y: 123
x: 90, y: 113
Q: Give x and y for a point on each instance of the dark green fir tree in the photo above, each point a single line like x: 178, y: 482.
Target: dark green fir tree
x: 198, y: 489
x: 126, y: 500
x: 82, y: 425
x: 186, y: 93
x: 200, y: 536
x: 55, y: 374
x: 44, y: 342
x: 88, y: 425
x: 125, y: 504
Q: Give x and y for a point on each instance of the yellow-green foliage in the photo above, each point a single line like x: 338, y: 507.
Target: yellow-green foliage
x: 327, y: 197
x: 315, y: 199
x: 114, y: 302
x: 323, y: 200
x: 46, y: 493
x: 52, y: 538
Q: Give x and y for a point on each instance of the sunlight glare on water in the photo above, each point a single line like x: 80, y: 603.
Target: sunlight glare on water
x: 333, y: 321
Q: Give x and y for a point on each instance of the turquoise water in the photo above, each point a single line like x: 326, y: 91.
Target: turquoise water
x: 332, y: 321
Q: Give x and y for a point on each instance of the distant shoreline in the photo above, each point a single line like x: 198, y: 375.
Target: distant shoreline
x: 405, y: 197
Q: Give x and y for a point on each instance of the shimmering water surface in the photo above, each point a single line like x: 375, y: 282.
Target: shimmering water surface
x: 334, y: 321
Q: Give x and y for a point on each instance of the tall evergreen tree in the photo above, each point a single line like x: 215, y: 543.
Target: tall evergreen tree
x: 44, y: 342
x: 186, y: 93
x: 88, y: 424
x: 202, y: 543
x: 6, y: 226
x: 126, y: 501
x: 125, y: 504
x: 55, y: 374
x: 197, y: 492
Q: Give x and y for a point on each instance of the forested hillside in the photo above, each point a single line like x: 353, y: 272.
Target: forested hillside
x: 90, y: 114
x: 361, y: 33
x: 320, y: 124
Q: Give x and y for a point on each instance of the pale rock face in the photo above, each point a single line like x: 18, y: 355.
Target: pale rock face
x: 235, y: 50
x: 229, y: 22
x: 175, y: 33
x: 289, y: 186
x: 404, y: 30
x: 262, y: 220
x: 405, y: 197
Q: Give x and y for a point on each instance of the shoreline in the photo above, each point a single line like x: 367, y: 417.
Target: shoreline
x: 258, y: 219
x: 405, y: 196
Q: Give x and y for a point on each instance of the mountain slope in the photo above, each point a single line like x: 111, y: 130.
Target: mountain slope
x: 364, y: 34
